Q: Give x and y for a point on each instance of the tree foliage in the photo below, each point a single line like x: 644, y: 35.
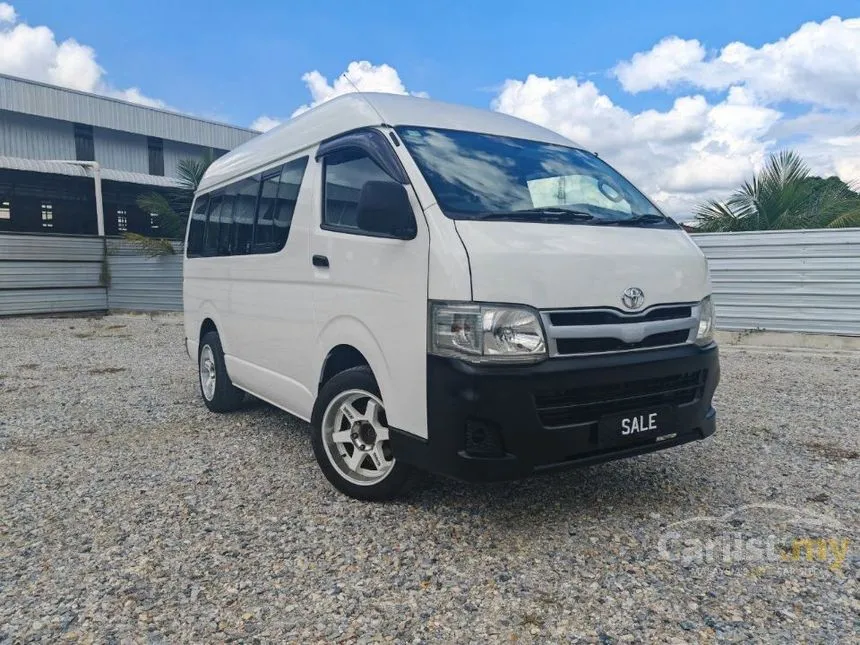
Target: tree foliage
x: 783, y: 195
x: 172, y: 207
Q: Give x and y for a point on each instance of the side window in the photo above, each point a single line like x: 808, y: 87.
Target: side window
x: 225, y: 229
x: 210, y: 241
x: 243, y: 215
x: 346, y: 172
x: 264, y: 226
x: 197, y: 227
x: 288, y: 194
x: 278, y: 194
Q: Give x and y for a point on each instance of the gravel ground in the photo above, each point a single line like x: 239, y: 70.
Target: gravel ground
x: 130, y: 513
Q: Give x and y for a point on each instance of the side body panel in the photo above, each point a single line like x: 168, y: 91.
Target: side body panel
x: 262, y: 306
x: 373, y: 296
x: 448, y: 264
x: 271, y: 317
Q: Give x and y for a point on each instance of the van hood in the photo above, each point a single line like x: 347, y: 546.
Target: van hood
x: 552, y: 266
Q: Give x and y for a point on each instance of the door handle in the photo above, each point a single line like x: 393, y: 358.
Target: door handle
x: 320, y: 261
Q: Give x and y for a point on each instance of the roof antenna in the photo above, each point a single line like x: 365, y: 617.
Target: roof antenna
x: 364, y: 97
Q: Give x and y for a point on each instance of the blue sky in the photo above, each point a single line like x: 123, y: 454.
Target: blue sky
x: 687, y: 99
x: 239, y: 60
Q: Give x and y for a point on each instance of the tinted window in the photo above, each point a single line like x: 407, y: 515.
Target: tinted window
x: 264, y: 227
x: 475, y: 176
x: 197, y: 227
x: 210, y: 242
x: 346, y: 172
x: 288, y: 194
x: 225, y: 228
x: 276, y: 206
x: 244, y: 206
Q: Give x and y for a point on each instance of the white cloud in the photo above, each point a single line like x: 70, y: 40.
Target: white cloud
x: 134, y: 95
x: 692, y: 151
x: 700, y: 148
x: 34, y: 53
x: 696, y: 149
x: 819, y: 64
x: 7, y: 13
x: 362, y: 76
x: 264, y: 123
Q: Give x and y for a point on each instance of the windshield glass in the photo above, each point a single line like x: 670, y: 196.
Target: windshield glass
x: 482, y: 176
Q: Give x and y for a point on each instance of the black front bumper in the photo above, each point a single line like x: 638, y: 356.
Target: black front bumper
x: 495, y: 423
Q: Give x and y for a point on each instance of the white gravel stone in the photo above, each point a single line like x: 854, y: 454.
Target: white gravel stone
x: 128, y: 513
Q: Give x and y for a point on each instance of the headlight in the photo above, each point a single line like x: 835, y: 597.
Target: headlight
x: 705, y: 333
x: 486, y: 333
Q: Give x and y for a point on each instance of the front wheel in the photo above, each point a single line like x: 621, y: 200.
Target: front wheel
x: 350, y: 438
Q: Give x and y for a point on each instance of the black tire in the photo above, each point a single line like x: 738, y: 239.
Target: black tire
x: 226, y: 396
x: 399, y: 476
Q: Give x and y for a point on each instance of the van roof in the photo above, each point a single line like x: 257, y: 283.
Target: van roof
x: 358, y: 110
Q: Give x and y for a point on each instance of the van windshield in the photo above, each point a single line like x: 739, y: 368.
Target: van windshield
x: 481, y: 176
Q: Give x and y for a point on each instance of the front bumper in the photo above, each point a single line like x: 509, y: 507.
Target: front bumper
x: 494, y: 423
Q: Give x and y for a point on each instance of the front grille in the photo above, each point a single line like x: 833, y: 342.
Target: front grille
x: 559, y: 408
x: 606, y: 317
x: 568, y: 346
x: 577, y: 332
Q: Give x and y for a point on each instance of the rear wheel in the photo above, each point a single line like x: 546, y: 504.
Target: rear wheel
x: 350, y: 438
x: 219, y: 393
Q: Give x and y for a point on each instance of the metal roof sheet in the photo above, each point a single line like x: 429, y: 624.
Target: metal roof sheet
x: 41, y: 99
x: 75, y: 170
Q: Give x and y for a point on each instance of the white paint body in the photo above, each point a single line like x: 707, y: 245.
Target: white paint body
x: 279, y: 316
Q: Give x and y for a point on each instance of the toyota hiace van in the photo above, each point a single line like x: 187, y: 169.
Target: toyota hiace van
x: 444, y: 288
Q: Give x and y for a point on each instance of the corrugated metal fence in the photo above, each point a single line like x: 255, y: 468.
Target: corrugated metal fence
x: 140, y: 283
x: 51, y: 273
x: 807, y: 281
x: 66, y: 273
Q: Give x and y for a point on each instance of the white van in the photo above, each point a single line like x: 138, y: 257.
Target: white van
x: 449, y: 289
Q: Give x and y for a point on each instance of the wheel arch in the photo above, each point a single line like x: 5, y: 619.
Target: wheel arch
x: 206, y: 326
x: 340, y: 358
x: 210, y: 321
x: 347, y: 338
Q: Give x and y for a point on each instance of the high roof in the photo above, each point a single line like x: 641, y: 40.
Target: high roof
x: 359, y: 110
x: 41, y: 99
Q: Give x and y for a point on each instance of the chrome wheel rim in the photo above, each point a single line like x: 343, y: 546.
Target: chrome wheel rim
x: 207, y: 372
x: 356, y: 438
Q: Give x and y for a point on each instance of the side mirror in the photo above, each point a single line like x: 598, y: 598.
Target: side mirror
x: 384, y: 209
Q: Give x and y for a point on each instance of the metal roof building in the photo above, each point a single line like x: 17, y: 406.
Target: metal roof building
x: 57, y: 145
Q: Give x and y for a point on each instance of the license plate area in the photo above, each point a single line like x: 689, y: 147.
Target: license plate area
x: 637, y: 425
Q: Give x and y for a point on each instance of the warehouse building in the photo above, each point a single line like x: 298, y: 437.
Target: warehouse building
x: 72, y: 162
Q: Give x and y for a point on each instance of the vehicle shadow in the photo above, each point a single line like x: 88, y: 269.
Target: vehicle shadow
x: 669, y: 481
x: 629, y: 487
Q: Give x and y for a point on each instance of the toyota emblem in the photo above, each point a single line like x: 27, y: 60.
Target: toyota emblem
x: 633, y: 298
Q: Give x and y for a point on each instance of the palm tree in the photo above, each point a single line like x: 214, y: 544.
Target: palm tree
x: 171, y: 206
x: 782, y: 195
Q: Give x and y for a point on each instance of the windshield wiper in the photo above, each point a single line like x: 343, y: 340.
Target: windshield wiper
x: 637, y: 218
x: 543, y: 214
